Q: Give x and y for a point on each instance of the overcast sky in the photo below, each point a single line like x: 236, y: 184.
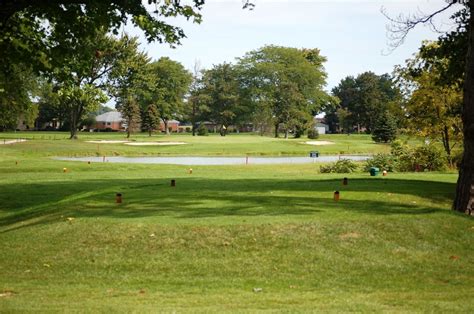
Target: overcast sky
x: 351, y: 34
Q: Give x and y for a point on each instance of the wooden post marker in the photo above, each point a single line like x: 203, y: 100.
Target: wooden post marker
x: 190, y: 170
x: 64, y: 170
x: 336, y: 196
x: 118, y: 198
x: 173, y: 182
x: 344, y: 181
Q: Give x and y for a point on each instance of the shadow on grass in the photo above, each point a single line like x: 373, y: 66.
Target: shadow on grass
x: 31, y: 204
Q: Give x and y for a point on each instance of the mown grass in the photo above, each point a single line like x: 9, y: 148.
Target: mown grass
x: 227, y: 239
x: 57, y: 144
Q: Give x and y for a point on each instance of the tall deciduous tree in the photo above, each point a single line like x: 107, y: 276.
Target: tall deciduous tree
x: 464, y: 200
x: 78, y: 100
x: 36, y: 34
x: 16, y: 90
x: 288, y: 80
x: 170, y: 84
x: 365, y: 98
x: 195, y: 107
x: 221, y: 94
x: 88, y: 61
x: 433, y: 108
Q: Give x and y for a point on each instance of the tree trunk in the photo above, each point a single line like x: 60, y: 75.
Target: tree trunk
x: 166, y: 127
x: 447, y: 146
x: 194, y: 118
x: 75, y: 115
x: 276, y: 130
x: 223, y: 130
x: 72, y: 127
x: 464, y: 190
x: 129, y: 121
x: 286, y: 133
x: 73, y: 132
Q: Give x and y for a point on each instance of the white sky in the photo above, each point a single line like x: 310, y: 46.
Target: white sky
x: 351, y: 34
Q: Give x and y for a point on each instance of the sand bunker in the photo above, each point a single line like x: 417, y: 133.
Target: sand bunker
x: 318, y: 143
x: 154, y: 143
x: 106, y: 142
x: 8, y: 142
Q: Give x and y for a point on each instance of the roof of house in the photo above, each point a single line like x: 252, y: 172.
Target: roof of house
x: 111, y: 116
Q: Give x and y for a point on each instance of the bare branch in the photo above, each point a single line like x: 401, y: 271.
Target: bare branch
x: 400, y: 26
x: 248, y: 4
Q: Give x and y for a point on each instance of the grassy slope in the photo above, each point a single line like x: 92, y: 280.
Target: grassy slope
x: 390, y: 244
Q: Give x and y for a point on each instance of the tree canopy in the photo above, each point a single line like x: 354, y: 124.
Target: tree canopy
x: 433, y: 106
x: 362, y: 100
x: 170, y: 83
x: 288, y: 82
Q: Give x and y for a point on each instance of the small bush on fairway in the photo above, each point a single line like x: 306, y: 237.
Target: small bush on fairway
x: 382, y: 161
x: 202, y: 130
x: 420, y: 158
x: 340, y: 166
x: 426, y: 157
x: 313, y: 134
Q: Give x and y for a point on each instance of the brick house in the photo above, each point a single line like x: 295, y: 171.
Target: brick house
x: 173, y: 126
x: 111, y: 120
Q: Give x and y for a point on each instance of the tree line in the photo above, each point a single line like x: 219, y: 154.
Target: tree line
x: 272, y: 87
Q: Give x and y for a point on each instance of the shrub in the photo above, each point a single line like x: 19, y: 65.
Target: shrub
x: 202, y: 130
x: 421, y: 158
x: 397, y: 148
x: 382, y: 161
x: 340, y: 166
x: 429, y: 157
x: 313, y: 134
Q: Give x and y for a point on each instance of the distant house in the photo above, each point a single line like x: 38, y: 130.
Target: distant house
x: 173, y: 126
x: 320, y: 126
x: 111, y: 121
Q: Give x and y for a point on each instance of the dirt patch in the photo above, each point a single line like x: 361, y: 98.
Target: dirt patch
x: 154, y: 143
x: 7, y: 293
x: 107, y: 142
x: 9, y: 142
x: 318, y: 143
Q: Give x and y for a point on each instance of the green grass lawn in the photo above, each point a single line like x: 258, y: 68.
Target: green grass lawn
x: 226, y: 238
x: 57, y: 144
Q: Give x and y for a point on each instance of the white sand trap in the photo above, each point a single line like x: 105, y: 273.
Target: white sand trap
x: 106, y: 142
x: 319, y: 143
x: 154, y: 143
x: 8, y: 142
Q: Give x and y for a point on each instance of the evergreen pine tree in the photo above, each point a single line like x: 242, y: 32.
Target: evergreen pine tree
x: 151, y: 119
x: 131, y: 113
x: 385, y: 129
